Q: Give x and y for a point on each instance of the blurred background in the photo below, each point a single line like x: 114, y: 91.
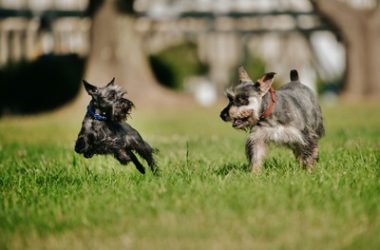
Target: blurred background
x: 171, y: 52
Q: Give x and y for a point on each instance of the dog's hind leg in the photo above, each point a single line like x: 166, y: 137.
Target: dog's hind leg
x: 146, y: 152
x: 310, y: 156
x: 307, y: 154
x: 135, y: 161
x: 124, y: 157
x: 135, y: 142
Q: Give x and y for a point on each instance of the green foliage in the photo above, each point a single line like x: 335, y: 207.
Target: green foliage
x: 40, y: 85
x: 173, y: 65
x: 334, y: 86
x: 255, y: 66
x: 204, y: 197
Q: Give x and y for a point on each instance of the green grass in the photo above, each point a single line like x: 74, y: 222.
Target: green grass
x: 204, y: 198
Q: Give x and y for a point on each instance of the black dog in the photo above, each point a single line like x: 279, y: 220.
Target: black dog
x: 105, y: 132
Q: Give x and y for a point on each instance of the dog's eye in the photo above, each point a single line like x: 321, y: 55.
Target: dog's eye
x: 241, y: 101
x: 112, y: 95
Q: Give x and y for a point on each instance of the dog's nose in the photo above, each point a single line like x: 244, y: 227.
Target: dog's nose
x: 224, y: 116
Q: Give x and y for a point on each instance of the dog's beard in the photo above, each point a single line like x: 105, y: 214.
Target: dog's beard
x: 241, y: 123
x: 121, y: 110
x: 244, y: 118
x: 119, y: 114
x: 244, y: 123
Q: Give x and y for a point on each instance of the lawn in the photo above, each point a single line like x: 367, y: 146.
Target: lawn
x: 204, y: 197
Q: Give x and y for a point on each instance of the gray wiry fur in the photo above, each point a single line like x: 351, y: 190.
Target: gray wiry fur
x: 296, y: 120
x: 110, y: 134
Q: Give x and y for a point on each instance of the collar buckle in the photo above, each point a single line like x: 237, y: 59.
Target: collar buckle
x: 95, y: 115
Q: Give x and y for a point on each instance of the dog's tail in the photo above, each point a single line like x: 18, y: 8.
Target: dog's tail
x: 294, y: 75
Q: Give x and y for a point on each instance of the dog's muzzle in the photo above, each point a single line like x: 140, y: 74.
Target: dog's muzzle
x: 121, y: 109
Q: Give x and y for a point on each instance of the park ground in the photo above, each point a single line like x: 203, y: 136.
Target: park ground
x: 204, y: 197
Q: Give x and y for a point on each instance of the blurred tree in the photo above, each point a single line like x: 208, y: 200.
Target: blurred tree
x: 116, y: 51
x: 361, y: 34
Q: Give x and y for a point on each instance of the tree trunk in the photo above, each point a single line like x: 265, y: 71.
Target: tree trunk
x: 116, y: 51
x: 361, y: 33
x: 374, y: 62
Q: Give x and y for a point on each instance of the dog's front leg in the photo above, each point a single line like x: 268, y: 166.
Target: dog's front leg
x: 255, y: 150
x: 82, y: 145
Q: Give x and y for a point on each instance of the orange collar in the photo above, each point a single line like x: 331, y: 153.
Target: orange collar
x: 272, y: 101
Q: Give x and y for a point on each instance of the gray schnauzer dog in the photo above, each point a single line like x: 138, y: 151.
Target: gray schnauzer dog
x: 105, y: 132
x: 290, y: 116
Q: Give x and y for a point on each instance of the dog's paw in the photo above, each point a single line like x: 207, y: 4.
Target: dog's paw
x: 80, y: 145
x: 88, y: 154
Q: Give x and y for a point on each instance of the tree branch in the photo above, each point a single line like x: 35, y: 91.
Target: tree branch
x: 338, y: 12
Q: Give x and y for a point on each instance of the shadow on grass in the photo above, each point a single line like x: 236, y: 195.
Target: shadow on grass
x: 272, y: 164
x: 283, y: 165
x: 227, y: 168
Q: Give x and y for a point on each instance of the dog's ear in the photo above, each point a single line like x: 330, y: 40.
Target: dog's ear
x: 111, y: 83
x: 91, y: 89
x: 243, y: 75
x: 265, y: 83
x: 229, y: 94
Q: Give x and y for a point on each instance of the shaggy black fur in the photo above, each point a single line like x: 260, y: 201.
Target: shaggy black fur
x: 104, y: 130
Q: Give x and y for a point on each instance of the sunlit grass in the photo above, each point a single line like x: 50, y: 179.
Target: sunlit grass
x: 204, y: 197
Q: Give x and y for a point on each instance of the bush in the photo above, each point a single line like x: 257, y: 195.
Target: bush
x: 173, y: 65
x: 255, y: 66
x: 334, y: 85
x: 41, y: 85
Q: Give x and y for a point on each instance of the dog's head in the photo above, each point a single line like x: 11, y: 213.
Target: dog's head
x: 109, y: 101
x: 245, y: 100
